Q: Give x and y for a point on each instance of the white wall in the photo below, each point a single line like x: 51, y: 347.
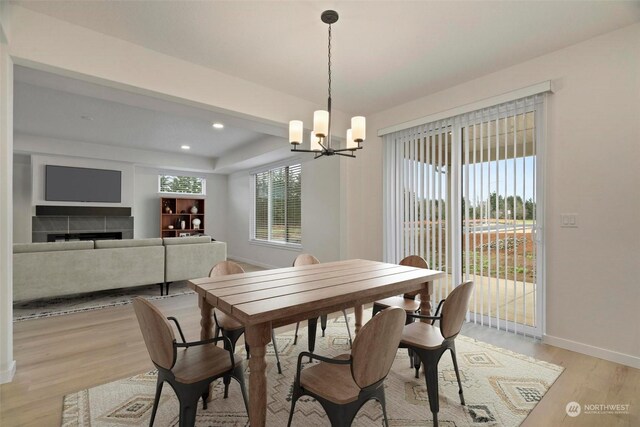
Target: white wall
x: 146, y: 203
x: 320, y: 216
x: 23, y: 208
x: 593, y: 147
x: 7, y: 364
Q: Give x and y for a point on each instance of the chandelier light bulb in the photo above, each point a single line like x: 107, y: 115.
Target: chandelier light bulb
x: 314, y: 142
x: 321, y: 123
x: 351, y: 144
x: 295, y: 132
x: 358, y: 126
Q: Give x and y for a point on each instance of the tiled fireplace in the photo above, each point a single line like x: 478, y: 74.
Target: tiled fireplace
x: 56, y: 223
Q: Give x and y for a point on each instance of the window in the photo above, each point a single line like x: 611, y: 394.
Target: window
x: 465, y: 194
x: 181, y: 184
x: 277, y: 199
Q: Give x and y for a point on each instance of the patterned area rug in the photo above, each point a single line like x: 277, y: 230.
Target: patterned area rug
x: 500, y: 388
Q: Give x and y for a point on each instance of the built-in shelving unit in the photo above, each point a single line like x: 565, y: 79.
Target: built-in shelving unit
x: 174, y: 210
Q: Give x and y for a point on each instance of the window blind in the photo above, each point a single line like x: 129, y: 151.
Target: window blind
x: 463, y: 193
x: 278, y: 204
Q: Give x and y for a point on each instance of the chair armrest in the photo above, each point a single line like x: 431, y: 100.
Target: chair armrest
x: 209, y: 341
x: 439, y: 307
x: 201, y: 342
x: 420, y: 316
x: 320, y: 358
x: 174, y: 320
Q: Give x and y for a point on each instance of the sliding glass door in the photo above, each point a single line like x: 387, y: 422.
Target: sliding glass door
x: 464, y: 194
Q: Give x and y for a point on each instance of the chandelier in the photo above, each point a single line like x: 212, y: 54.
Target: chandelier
x: 320, y: 139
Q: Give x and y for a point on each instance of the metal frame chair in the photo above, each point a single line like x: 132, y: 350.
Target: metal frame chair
x: 407, y: 301
x: 234, y: 333
x: 308, y: 259
x: 370, y: 361
x: 164, y: 352
x: 429, y: 342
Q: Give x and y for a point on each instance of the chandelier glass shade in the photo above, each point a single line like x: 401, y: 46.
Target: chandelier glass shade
x: 320, y: 137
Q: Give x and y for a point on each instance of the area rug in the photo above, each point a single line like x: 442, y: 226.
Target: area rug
x: 500, y: 388
x: 59, y: 306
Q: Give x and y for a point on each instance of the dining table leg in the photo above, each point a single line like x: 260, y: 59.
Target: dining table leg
x: 425, y: 300
x: 206, y: 325
x: 358, y: 311
x: 258, y: 336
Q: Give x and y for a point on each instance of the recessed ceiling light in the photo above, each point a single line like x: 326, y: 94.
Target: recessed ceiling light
x: 185, y: 147
x: 218, y: 125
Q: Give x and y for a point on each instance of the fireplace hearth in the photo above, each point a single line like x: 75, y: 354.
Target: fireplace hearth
x: 61, y: 223
x: 117, y: 235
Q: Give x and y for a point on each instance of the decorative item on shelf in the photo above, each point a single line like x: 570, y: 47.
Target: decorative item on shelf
x: 183, y: 225
x: 170, y: 211
x: 170, y: 227
x: 183, y: 211
x: 320, y: 142
x: 194, y: 208
x: 196, y: 223
x: 167, y: 209
x: 184, y: 235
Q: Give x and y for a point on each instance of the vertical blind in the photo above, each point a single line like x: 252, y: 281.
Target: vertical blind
x: 461, y: 192
x: 278, y: 203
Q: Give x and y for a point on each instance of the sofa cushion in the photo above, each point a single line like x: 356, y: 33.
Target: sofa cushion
x: 127, y: 243
x: 184, y: 262
x: 23, y: 248
x: 186, y: 240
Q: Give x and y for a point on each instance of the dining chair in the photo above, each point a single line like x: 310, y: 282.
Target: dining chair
x: 429, y: 342
x: 188, y: 367
x: 344, y: 383
x: 308, y: 259
x: 408, y: 301
x: 228, y: 325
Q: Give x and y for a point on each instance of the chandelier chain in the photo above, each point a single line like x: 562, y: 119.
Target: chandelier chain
x: 329, y: 62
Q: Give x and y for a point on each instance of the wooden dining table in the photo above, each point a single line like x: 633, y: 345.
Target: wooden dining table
x: 267, y: 299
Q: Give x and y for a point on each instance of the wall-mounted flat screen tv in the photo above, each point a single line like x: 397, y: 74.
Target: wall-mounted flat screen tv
x: 70, y: 184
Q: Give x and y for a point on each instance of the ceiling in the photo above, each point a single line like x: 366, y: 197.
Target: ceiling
x: 58, y: 107
x: 385, y: 53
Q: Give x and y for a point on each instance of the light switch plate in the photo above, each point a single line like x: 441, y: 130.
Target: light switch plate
x: 569, y: 220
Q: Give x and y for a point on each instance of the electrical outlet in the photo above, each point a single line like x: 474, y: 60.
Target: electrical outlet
x: 569, y: 220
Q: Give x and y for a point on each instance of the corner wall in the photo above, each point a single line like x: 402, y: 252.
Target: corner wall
x: 593, y: 147
x: 7, y: 364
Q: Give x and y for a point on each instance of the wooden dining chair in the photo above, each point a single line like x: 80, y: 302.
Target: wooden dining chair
x: 228, y: 325
x: 429, y: 342
x: 408, y: 301
x: 188, y: 367
x: 345, y: 383
x: 308, y: 259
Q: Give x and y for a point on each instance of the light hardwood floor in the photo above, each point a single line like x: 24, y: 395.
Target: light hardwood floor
x: 60, y: 355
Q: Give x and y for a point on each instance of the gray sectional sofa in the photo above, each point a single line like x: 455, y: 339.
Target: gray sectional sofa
x: 45, y: 270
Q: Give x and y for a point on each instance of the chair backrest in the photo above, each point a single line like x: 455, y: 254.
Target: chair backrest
x: 414, y: 261
x: 455, y: 309
x: 225, y: 267
x: 376, y: 345
x: 305, y: 259
x: 156, y: 331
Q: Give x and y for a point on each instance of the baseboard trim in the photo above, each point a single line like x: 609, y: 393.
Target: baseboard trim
x: 589, y: 350
x: 250, y: 261
x: 6, y: 376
